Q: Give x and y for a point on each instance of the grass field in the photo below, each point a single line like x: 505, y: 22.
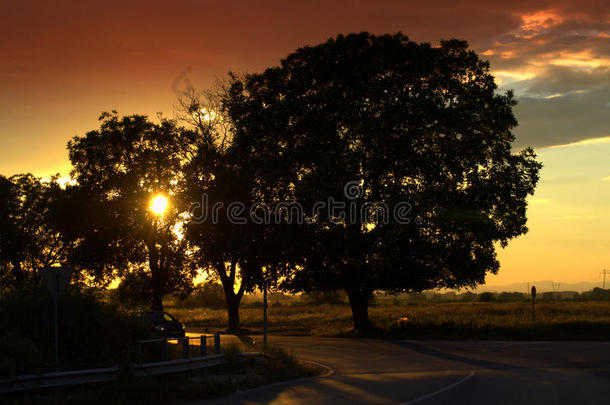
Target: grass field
x: 453, y: 320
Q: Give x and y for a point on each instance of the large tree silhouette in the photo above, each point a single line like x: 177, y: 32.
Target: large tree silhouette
x: 400, y: 122
x: 119, y: 169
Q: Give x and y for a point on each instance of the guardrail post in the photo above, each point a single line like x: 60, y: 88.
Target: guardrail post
x: 217, y: 343
x: 164, y: 350
x: 202, y: 345
x: 185, y: 347
x: 140, y: 351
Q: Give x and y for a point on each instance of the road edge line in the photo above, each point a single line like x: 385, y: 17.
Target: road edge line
x: 441, y: 390
x: 329, y: 371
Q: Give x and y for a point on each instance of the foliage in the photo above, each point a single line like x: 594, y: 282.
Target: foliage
x: 134, y: 289
x: 597, y: 294
x: 205, y: 295
x: 29, y: 237
x: 487, y: 297
x: 119, y: 168
x: 327, y: 297
x: 91, y: 334
x: 406, y: 123
x: 219, y: 175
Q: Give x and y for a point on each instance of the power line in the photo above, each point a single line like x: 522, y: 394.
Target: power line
x: 604, y: 272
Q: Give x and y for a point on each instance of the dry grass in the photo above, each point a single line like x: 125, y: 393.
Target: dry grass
x: 569, y: 320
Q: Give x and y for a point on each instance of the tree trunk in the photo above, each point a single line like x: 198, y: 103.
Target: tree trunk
x: 19, y: 274
x: 232, y: 298
x: 233, y: 310
x: 157, y: 298
x: 156, y: 279
x: 359, y: 301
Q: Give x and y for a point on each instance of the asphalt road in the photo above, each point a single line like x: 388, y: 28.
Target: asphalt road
x: 366, y: 371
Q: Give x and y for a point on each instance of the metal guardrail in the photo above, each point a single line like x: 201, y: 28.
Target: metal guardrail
x: 173, y: 366
x: 188, y: 364
x: 185, y: 341
x: 58, y: 379
x: 64, y: 378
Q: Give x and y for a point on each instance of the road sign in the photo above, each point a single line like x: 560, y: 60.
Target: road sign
x: 56, y: 279
x: 533, y: 291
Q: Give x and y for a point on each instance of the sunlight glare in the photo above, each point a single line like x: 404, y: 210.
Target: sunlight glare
x: 158, y: 205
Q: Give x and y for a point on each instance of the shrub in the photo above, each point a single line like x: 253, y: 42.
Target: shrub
x: 597, y: 294
x: 327, y: 297
x: 206, y: 295
x: 486, y: 297
x: 91, y: 334
x: 135, y: 289
x: 511, y: 297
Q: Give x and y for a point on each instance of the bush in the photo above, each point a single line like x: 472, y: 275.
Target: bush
x: 486, y: 297
x: 597, y: 294
x: 469, y: 296
x: 91, y: 334
x: 19, y: 354
x: 548, y: 296
x: 327, y: 297
x: 416, y: 297
x: 206, y: 295
x: 135, y: 289
x: 511, y: 297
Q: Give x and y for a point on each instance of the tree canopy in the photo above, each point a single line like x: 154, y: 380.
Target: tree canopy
x: 222, y: 190
x: 119, y: 169
x: 29, y: 238
x: 365, y: 163
x: 407, y: 125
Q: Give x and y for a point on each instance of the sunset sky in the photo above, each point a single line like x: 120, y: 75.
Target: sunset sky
x: 64, y: 62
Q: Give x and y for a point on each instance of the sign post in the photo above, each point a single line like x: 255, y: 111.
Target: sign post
x: 56, y: 279
x: 533, y: 304
x: 265, y: 314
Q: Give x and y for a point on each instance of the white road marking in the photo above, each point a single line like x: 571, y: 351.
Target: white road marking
x: 329, y: 370
x: 431, y: 394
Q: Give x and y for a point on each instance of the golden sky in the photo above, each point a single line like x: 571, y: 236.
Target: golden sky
x: 64, y: 62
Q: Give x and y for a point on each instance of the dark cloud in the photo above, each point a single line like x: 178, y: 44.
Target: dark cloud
x: 558, y: 62
x: 562, y: 120
x: 561, y: 80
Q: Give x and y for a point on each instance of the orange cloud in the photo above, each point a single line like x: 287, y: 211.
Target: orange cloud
x: 533, y: 24
x: 582, y: 59
x: 540, y: 20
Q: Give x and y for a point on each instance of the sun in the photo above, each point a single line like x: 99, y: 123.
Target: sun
x: 158, y: 204
x: 206, y: 115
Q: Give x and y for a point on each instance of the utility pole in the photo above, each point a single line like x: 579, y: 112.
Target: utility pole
x: 604, y: 272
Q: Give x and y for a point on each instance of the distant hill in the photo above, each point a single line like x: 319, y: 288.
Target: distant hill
x: 541, y: 286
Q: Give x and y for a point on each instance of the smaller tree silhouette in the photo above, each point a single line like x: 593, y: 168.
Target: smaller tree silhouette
x: 119, y: 168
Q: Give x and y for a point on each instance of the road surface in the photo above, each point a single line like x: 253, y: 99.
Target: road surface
x: 368, y: 371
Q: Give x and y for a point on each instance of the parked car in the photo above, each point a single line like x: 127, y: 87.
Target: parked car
x: 162, y: 323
